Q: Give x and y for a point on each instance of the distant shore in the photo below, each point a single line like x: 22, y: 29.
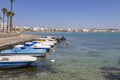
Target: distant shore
x: 15, y: 39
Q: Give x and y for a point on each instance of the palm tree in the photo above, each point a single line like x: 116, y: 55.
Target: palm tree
x: 9, y: 14
x: 0, y: 17
x: 4, y: 11
x: 11, y: 5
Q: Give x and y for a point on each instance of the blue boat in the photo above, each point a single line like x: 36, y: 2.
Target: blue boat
x: 16, y: 61
x: 24, y: 51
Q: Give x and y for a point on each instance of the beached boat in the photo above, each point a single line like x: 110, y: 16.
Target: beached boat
x: 37, y: 45
x: 47, y: 41
x: 16, y: 61
x: 57, y: 38
x: 24, y: 50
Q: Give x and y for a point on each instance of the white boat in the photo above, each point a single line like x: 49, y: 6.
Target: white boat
x: 16, y: 61
x: 57, y: 38
x: 47, y: 40
x: 40, y: 39
x: 47, y: 43
x: 51, y: 41
x: 41, y: 46
x: 19, y: 46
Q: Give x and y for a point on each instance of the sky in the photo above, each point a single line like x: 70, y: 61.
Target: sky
x: 65, y: 13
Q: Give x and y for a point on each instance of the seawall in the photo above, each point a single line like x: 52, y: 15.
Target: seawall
x: 8, y: 42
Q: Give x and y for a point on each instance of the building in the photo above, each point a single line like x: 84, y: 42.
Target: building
x: 1, y: 26
x: 85, y: 30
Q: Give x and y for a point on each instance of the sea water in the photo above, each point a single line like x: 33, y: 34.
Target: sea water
x: 88, y: 56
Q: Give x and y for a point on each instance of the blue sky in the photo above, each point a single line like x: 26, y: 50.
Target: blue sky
x: 66, y: 13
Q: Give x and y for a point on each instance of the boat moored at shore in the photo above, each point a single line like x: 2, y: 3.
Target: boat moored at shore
x: 38, y: 47
x: 24, y: 51
x: 16, y: 61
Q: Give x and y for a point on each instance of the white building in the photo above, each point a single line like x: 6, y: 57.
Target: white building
x: 35, y: 29
x: 1, y: 26
x: 85, y: 30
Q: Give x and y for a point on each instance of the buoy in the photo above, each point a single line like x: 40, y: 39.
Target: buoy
x: 67, y: 43
x: 52, y: 61
x: 53, y: 50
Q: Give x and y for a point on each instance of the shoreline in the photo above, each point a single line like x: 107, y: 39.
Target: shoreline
x: 8, y: 42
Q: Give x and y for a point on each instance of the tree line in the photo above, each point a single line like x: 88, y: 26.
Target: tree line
x: 9, y: 15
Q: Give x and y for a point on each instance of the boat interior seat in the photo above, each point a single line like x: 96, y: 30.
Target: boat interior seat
x: 4, y: 59
x: 16, y: 49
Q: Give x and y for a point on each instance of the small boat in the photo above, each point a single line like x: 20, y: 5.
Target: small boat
x: 24, y: 50
x: 41, y: 46
x: 47, y: 41
x: 16, y: 61
x: 40, y: 39
x: 36, y: 45
x: 57, y: 38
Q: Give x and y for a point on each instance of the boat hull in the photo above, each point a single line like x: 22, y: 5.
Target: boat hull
x: 31, y: 54
x: 47, y: 49
x: 13, y: 64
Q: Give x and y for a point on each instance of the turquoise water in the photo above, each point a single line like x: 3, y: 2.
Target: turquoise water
x: 89, y: 56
